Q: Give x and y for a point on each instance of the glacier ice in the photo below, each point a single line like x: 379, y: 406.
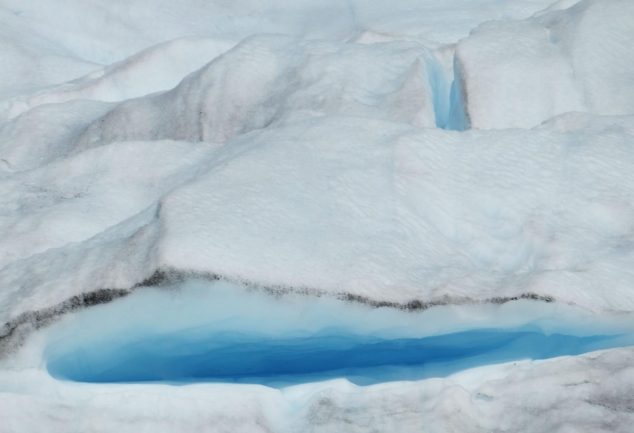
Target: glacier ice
x: 522, y: 73
x: 389, y: 169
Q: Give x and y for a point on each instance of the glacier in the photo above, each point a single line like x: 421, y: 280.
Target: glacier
x: 316, y: 216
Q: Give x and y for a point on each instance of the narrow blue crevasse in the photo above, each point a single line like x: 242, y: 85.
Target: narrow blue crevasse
x: 457, y: 115
x: 447, y: 96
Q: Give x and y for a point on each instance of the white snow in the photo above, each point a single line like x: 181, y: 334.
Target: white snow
x: 521, y: 73
x: 398, y: 214
x: 408, y: 152
x: 267, y: 80
x: 154, y: 69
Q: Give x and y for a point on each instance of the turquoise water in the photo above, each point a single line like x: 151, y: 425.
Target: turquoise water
x: 215, y: 331
x: 189, y: 356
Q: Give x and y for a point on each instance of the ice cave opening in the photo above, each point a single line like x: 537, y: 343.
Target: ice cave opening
x: 219, y: 332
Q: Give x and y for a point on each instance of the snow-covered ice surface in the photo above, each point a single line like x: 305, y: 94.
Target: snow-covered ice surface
x: 521, y: 73
x: 398, y: 169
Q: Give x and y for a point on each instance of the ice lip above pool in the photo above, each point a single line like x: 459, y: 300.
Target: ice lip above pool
x: 213, y: 332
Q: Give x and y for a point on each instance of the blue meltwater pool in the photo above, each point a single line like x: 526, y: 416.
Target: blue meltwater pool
x: 209, y: 332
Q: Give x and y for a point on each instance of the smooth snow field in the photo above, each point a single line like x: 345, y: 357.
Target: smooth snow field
x: 219, y: 332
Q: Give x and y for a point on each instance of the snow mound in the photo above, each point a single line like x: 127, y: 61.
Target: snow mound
x: 521, y: 73
x: 344, y: 205
x: 31, y: 61
x: 270, y: 79
x: 45, y: 133
x: 389, y: 212
x: 152, y: 70
x: 67, y: 227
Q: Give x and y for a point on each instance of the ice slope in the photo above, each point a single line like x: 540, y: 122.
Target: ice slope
x: 392, y: 213
x: 31, y: 61
x: 160, y: 67
x: 113, y: 30
x: 521, y: 73
x: 325, y: 182
x: 266, y: 80
x: 43, y: 47
x: 68, y: 227
x: 371, y: 208
x: 45, y: 134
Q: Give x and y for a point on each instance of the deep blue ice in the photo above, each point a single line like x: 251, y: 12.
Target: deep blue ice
x: 188, y: 356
